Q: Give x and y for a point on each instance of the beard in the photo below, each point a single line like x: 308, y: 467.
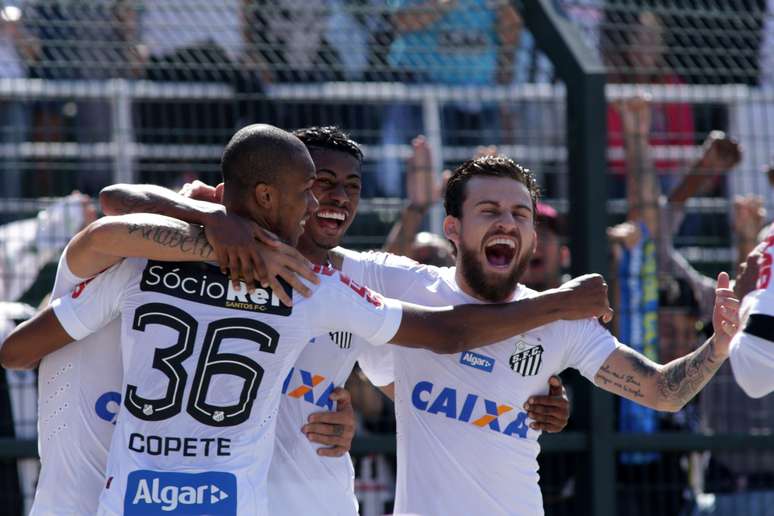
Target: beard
x: 496, y: 290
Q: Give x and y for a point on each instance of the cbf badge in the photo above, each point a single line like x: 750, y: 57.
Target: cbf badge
x: 527, y: 358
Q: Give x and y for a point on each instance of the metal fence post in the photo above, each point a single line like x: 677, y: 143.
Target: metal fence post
x: 123, y: 133
x: 586, y: 132
x: 431, y: 120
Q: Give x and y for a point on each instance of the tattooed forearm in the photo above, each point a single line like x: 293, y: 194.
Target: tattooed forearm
x: 194, y: 244
x: 626, y: 383
x: 134, y: 203
x: 681, y: 379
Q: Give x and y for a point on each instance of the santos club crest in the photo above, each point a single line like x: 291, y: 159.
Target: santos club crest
x: 343, y: 339
x: 527, y: 358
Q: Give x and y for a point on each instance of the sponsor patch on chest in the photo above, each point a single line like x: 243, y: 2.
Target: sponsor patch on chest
x: 526, y: 358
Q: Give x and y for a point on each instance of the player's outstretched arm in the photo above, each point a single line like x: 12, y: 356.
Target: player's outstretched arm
x: 33, y: 339
x: 670, y: 386
x: 463, y: 327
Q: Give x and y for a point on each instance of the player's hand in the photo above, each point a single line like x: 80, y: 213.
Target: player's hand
x: 245, y: 251
x: 585, y: 297
x: 550, y: 413
x: 200, y: 191
x: 333, y: 429
x: 747, y: 276
x: 725, y: 316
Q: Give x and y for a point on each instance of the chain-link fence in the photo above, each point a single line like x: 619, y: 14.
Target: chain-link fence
x: 100, y: 91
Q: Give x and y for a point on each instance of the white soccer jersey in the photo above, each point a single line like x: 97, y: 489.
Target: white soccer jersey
x: 752, y: 356
x: 79, y: 390
x: 300, y: 481
x: 204, y: 367
x: 464, y: 445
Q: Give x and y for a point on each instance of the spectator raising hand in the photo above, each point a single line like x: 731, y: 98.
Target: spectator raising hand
x: 749, y: 218
x: 423, y: 189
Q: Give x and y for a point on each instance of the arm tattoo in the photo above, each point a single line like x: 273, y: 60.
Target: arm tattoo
x: 171, y: 237
x: 131, y: 203
x: 681, y: 379
x: 626, y: 383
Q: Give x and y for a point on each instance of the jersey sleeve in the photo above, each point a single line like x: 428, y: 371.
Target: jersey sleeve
x: 589, y: 345
x: 65, y: 280
x: 340, y: 303
x: 95, y: 302
x: 752, y: 361
x: 388, y: 274
x: 378, y: 364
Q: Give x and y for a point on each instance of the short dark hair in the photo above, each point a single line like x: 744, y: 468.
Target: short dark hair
x: 259, y: 153
x: 329, y: 137
x: 492, y: 166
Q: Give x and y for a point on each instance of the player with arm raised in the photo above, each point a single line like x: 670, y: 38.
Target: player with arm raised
x: 752, y: 350
x: 464, y: 418
x: 212, y: 448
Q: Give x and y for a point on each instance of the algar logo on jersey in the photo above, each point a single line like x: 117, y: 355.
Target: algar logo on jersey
x: 469, y: 408
x: 151, y: 493
x: 204, y: 283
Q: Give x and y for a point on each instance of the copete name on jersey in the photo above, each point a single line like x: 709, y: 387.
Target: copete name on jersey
x: 204, y: 283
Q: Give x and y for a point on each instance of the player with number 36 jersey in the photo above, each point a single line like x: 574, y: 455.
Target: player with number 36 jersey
x: 183, y: 437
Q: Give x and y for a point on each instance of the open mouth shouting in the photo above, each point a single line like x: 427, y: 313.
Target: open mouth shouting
x: 500, y: 251
x: 330, y: 219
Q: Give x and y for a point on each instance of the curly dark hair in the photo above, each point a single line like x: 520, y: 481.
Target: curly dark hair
x: 493, y: 166
x: 329, y: 137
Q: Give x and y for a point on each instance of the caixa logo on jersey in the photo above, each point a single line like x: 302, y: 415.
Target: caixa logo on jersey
x: 152, y: 493
x: 310, y: 387
x: 204, y: 283
x: 469, y: 408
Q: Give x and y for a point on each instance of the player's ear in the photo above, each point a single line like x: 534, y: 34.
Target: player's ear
x: 265, y: 196
x: 451, y: 228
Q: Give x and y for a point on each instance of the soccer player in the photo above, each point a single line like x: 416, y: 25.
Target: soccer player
x: 752, y: 350
x: 300, y: 481
x: 464, y: 445
x: 212, y: 452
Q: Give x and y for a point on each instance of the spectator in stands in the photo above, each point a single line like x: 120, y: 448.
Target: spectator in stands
x: 78, y: 41
x: 552, y: 256
x: 647, y: 233
x: 308, y: 41
x: 192, y: 42
x: 752, y: 117
x: 456, y: 43
x: 633, y: 48
x: 423, y: 191
x: 28, y: 245
x: 17, y: 48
